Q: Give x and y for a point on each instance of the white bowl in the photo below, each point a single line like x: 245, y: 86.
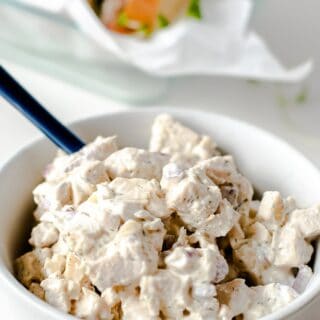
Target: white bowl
x: 270, y: 163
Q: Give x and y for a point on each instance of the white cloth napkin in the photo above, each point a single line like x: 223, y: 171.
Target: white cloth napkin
x: 219, y: 44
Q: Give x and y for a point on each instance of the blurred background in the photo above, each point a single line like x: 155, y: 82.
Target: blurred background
x: 76, y: 78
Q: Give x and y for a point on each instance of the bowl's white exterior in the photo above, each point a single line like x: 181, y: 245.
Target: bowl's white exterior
x: 270, y: 163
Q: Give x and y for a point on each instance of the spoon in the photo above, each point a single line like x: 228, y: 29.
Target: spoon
x: 23, y: 101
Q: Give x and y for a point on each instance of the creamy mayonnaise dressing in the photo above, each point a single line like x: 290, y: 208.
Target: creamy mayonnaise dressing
x: 169, y: 233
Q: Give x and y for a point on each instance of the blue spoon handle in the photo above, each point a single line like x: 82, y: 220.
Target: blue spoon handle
x: 16, y: 95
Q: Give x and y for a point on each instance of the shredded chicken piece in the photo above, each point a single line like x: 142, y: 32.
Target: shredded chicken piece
x: 183, y: 145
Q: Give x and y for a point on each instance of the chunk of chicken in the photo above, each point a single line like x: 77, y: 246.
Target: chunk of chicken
x: 307, y: 221
x: 72, y: 190
x: 235, y: 296
x: 60, y: 292
x: 43, y: 235
x: 198, y: 202
x: 28, y: 269
x: 54, y: 265
x: 136, y: 163
x: 99, y: 150
x: 175, y: 296
x: 91, y: 306
x: 268, y: 299
x: 200, y: 265
x: 292, y: 250
x: 125, y: 259
x: 222, y: 172
x: 274, y: 244
x: 127, y: 196
x: 51, y: 196
x: 183, y: 145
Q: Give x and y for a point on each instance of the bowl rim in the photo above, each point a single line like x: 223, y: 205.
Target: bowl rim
x: 9, y: 279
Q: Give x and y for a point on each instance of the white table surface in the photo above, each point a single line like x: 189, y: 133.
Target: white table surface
x: 273, y: 107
